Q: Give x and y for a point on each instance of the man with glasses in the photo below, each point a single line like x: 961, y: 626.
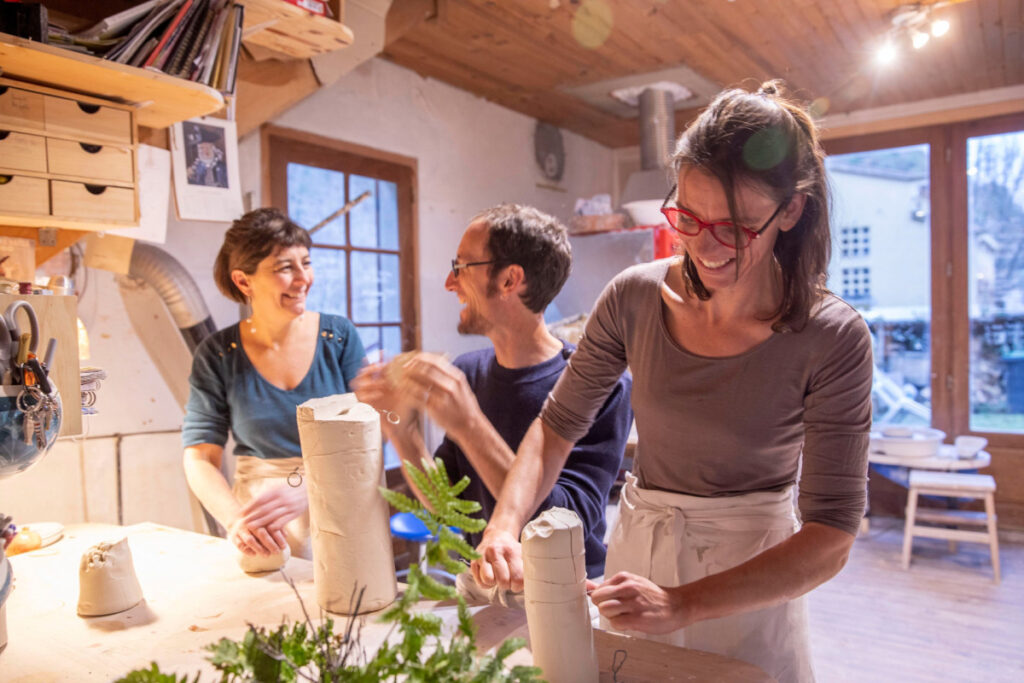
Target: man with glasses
x: 512, y: 261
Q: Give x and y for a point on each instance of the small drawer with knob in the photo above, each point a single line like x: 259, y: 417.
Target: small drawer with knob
x: 101, y: 162
x: 20, y: 109
x: 22, y: 152
x: 93, y: 202
x: 24, y: 195
x: 81, y: 120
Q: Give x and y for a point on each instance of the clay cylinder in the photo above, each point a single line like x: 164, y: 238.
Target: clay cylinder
x: 106, y: 580
x: 557, y: 612
x: 348, y: 518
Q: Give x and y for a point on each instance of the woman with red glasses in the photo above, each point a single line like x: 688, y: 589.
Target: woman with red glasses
x: 751, y: 383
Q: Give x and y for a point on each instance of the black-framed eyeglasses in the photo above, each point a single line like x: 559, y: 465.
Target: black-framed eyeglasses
x: 726, y: 233
x: 456, y: 266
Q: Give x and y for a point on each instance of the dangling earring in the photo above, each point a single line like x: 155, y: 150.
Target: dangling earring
x: 248, y: 321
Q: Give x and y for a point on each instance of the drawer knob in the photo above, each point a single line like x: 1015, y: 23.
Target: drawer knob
x: 95, y: 189
x: 4, y: 134
x: 89, y: 149
x: 88, y: 108
x: 3, y: 89
x: 4, y: 179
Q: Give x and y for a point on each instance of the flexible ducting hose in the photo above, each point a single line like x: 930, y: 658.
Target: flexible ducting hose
x: 161, y: 271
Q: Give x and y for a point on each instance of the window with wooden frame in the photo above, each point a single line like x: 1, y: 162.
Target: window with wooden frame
x: 364, y: 260
x: 946, y: 303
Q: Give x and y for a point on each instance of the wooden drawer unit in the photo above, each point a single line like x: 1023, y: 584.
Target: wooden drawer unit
x: 22, y: 152
x: 20, y: 109
x: 24, y: 195
x: 87, y: 121
x: 102, y: 162
x: 66, y: 160
x: 95, y: 202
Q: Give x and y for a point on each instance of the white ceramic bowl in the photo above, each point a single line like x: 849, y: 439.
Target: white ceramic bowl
x: 907, y: 442
x: 645, y: 211
x: 968, y: 446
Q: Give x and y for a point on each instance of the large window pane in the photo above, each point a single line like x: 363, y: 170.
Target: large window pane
x: 387, y: 211
x: 363, y: 216
x: 881, y: 264
x: 375, y: 288
x: 313, y: 195
x: 327, y: 295
x: 995, y: 223
x: 392, y: 337
x: 370, y: 337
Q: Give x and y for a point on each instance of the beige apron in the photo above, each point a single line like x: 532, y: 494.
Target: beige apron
x: 254, y: 475
x: 673, y: 539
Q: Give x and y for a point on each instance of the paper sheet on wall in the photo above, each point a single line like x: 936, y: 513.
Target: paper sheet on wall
x: 204, y: 163
x: 154, y: 196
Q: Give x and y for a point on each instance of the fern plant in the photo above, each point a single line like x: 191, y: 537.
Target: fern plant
x: 304, y: 652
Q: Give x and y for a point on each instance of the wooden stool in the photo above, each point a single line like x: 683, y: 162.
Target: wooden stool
x: 952, y: 485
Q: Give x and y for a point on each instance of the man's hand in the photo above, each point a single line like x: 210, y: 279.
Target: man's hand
x: 433, y: 384
x: 500, y: 563
x: 633, y: 603
x: 371, y: 386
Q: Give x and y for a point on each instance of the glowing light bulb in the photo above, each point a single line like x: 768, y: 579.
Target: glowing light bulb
x: 886, y: 54
x: 918, y: 39
x: 940, y: 27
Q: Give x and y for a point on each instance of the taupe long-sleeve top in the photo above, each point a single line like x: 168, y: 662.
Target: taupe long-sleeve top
x: 732, y: 425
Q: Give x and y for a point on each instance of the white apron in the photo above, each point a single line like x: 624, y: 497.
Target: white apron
x: 674, y: 539
x: 254, y: 475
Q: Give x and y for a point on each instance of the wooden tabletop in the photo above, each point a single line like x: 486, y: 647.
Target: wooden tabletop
x: 945, y: 460
x: 195, y: 594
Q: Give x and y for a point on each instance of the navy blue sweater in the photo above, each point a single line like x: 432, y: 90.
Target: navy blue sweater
x: 511, y: 400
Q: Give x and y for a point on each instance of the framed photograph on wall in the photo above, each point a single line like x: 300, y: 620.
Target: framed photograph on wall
x: 204, y: 159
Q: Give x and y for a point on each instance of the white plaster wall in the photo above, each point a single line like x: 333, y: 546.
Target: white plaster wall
x: 471, y: 154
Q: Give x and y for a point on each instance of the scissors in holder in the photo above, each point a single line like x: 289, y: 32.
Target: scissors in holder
x: 21, y: 343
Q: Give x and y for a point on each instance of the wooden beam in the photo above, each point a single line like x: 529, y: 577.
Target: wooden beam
x: 65, y: 238
x: 270, y: 87
x: 405, y: 15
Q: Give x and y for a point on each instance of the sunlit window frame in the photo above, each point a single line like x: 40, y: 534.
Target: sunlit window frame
x: 950, y: 325
x: 281, y: 146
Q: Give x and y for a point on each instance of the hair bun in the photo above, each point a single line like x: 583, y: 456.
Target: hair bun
x: 770, y: 88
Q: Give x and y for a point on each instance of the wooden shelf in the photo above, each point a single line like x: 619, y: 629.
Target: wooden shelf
x: 292, y: 31
x: 161, y: 100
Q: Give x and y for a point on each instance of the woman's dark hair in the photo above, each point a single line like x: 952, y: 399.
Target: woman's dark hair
x: 768, y: 141
x: 533, y: 240
x: 249, y: 240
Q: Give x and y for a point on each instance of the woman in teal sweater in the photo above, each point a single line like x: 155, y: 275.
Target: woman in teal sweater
x: 248, y: 378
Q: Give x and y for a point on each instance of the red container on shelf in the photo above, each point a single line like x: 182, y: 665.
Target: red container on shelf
x: 314, y: 6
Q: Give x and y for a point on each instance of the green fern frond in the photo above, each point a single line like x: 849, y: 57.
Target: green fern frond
x: 453, y: 541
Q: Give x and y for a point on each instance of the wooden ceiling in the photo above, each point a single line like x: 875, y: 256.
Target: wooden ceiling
x: 524, y: 54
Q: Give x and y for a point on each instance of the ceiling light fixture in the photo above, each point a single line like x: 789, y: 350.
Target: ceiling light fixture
x: 913, y: 24
x: 886, y: 54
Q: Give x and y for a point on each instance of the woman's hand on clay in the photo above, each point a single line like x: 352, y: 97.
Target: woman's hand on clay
x: 258, y: 541
x: 266, y: 514
x: 500, y: 562
x: 631, y: 602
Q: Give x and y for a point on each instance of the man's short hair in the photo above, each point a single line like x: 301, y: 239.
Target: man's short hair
x: 538, y: 243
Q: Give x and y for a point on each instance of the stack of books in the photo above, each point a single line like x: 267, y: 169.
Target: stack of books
x: 194, y: 39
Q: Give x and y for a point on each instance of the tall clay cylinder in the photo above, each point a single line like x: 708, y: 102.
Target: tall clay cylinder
x: 348, y: 518
x: 555, y: 588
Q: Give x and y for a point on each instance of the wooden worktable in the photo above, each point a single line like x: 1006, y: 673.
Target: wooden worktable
x: 195, y: 595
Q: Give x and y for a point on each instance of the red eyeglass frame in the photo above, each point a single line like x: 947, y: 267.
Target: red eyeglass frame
x: 671, y: 214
